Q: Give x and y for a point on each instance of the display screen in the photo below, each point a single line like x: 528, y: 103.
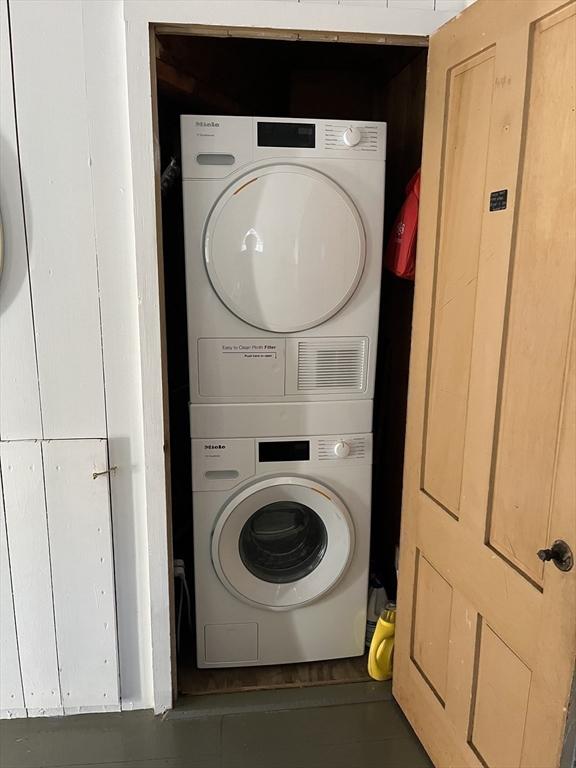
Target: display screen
x: 287, y: 450
x: 287, y: 135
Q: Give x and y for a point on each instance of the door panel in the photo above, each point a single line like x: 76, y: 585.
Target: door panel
x: 485, y: 635
x: 540, y: 306
x: 31, y: 574
x: 468, y: 112
x: 81, y: 555
x: 431, y: 627
x: 57, y: 598
x: 11, y: 693
x: 499, y: 701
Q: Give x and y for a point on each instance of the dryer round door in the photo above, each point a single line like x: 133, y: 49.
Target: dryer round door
x: 284, y: 248
x: 282, y: 542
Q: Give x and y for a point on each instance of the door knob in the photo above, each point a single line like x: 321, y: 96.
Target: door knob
x: 560, y: 553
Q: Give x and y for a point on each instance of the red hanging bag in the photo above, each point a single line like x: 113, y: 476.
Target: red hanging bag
x: 400, y: 256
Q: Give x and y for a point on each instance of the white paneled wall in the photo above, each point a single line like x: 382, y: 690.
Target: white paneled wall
x: 57, y: 184
x: 19, y: 394
x: 11, y: 693
x: 27, y: 535
x: 57, y: 536
x: 104, y: 66
x: 80, y: 535
x: 68, y: 323
x: 83, y: 560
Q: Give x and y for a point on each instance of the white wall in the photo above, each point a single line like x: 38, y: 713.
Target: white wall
x: 80, y: 377
x: 70, y: 366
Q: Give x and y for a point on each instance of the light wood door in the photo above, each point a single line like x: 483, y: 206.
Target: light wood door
x: 486, y: 634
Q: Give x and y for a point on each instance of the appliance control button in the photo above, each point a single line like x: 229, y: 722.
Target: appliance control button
x: 352, y: 136
x: 342, y: 449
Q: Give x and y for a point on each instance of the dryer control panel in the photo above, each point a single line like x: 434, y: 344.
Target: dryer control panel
x: 222, y: 464
x: 214, y: 146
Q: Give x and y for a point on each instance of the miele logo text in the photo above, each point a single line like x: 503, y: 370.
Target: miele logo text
x: 214, y: 447
x: 207, y: 124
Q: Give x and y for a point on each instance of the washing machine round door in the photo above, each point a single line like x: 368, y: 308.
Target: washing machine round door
x: 284, y: 248
x: 282, y: 542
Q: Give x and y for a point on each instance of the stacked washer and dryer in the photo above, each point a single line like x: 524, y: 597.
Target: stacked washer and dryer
x: 283, y: 234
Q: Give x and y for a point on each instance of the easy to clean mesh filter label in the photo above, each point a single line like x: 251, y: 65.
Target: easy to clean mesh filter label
x: 251, y: 351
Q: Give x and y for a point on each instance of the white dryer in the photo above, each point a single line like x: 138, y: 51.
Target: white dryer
x: 283, y: 236
x: 281, y: 544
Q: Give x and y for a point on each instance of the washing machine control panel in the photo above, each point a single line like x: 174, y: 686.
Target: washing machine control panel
x: 222, y: 464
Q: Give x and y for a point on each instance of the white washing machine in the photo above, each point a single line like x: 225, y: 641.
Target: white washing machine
x: 281, y: 543
x: 283, y: 236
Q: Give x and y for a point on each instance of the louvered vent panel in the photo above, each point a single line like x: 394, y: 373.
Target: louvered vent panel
x: 326, y: 365
x: 368, y: 143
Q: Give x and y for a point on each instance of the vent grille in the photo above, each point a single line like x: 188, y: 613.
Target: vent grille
x: 357, y: 449
x: 368, y: 143
x: 332, y: 364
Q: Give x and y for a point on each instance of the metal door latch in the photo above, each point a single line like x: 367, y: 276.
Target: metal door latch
x: 104, y: 472
x: 560, y: 553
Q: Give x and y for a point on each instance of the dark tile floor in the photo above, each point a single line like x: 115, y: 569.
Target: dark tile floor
x: 353, y: 735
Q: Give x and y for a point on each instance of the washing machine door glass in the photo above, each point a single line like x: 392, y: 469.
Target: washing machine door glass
x: 282, y: 542
x: 284, y: 248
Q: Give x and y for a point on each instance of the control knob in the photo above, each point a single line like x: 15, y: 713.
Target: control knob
x: 352, y: 136
x: 342, y: 449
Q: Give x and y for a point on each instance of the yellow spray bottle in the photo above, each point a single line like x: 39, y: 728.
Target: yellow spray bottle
x: 382, y: 645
